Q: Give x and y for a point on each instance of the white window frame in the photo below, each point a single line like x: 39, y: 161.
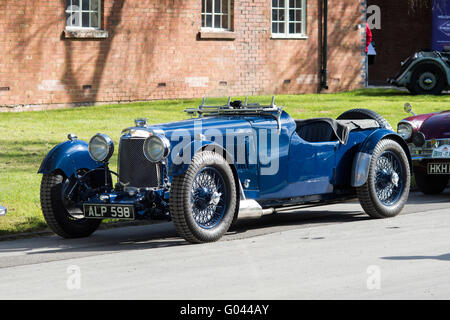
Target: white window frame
x: 286, y: 34
x: 80, y: 11
x: 216, y: 14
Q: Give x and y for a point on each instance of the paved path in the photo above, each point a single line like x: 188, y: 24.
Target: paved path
x: 329, y: 252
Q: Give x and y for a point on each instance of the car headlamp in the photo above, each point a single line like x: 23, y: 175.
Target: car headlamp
x: 405, y: 130
x: 156, y: 148
x: 101, y: 147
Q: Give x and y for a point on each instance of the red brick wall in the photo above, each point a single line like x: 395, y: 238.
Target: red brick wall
x: 404, y: 30
x: 157, y: 41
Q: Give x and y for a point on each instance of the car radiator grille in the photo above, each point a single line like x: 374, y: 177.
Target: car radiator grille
x: 134, y: 169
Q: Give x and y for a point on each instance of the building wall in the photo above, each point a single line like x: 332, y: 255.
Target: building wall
x: 154, y: 51
x: 404, y: 30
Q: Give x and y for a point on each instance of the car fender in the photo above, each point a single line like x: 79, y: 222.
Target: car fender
x: 191, y: 150
x: 361, y: 162
x: 405, y: 78
x: 68, y: 157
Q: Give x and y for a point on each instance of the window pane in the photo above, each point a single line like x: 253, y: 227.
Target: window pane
x: 68, y: 19
x: 274, y: 15
x: 291, y: 27
x: 298, y: 28
x: 209, y: 21
x: 203, y: 20
x: 291, y: 3
x: 94, y: 20
x: 298, y: 15
x: 203, y: 6
x: 209, y: 6
x: 85, y: 4
x: 225, y: 21
x: 274, y: 28
x: 76, y: 3
x: 217, y: 22
x: 281, y: 3
x: 281, y: 28
x: 291, y: 15
x: 298, y: 3
x: 281, y: 15
x: 94, y: 5
x: 225, y: 6
x: 217, y: 6
x: 73, y: 19
x: 85, y: 20
x: 274, y: 3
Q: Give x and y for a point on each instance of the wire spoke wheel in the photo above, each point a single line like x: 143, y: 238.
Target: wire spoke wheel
x: 203, y: 200
x: 208, y: 197
x: 387, y: 187
x: 388, y: 178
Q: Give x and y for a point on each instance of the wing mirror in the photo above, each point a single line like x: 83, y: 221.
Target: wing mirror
x: 408, y: 108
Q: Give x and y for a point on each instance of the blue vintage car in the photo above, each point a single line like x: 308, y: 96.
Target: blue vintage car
x: 227, y: 162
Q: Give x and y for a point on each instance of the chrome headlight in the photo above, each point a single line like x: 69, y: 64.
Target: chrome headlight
x: 101, y: 147
x: 156, y: 148
x: 404, y: 130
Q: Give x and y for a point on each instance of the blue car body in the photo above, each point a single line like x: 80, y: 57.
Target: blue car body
x: 305, y: 171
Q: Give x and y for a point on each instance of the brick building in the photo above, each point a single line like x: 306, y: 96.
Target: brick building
x: 81, y: 51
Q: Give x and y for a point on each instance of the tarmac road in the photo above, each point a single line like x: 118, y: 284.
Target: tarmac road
x: 327, y: 252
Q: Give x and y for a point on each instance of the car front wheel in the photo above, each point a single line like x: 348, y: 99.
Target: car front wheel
x: 62, y: 215
x: 387, y: 187
x: 203, y: 200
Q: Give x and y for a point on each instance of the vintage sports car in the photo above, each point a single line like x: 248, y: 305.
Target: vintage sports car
x: 425, y: 72
x: 234, y: 161
x: 428, y: 138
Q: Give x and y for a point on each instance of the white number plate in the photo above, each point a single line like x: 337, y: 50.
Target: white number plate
x: 102, y: 211
x: 439, y: 168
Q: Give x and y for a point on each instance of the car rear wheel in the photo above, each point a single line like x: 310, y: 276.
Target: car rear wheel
x: 428, y: 184
x: 362, y: 114
x: 387, y: 187
x: 203, y: 200
x: 62, y: 215
x: 427, y: 79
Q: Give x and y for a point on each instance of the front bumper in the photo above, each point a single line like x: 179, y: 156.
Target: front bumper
x: 3, y: 211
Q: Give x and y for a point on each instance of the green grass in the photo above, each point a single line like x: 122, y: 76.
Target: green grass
x: 25, y: 138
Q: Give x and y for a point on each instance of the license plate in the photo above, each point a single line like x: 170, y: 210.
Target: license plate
x: 102, y: 211
x: 439, y: 168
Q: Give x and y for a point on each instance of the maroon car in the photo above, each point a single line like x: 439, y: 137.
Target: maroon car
x: 428, y: 138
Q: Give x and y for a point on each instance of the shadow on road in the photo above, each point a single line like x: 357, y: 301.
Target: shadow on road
x: 442, y: 257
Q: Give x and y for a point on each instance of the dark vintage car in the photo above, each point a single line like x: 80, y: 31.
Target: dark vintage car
x: 425, y: 72
x: 234, y: 161
x: 428, y: 138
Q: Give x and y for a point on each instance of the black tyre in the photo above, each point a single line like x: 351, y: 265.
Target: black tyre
x: 428, y: 184
x: 387, y: 188
x: 63, y: 216
x: 427, y: 78
x: 203, y: 200
x: 362, y: 114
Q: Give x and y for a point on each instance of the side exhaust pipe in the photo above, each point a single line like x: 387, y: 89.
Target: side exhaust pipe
x: 250, y: 209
